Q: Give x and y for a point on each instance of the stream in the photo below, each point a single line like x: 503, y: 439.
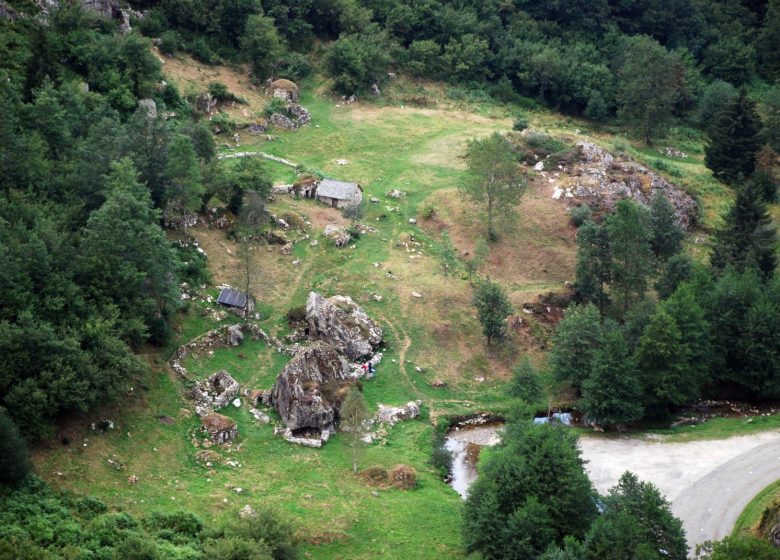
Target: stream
x: 465, y: 443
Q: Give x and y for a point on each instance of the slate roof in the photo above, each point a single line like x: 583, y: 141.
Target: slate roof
x: 232, y: 297
x: 340, y: 190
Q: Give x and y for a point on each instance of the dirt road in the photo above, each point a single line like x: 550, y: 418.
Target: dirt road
x: 708, y: 482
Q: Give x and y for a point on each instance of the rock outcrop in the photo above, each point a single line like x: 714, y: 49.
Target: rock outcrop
x: 309, y: 390
x: 601, y: 180
x: 337, y: 235
x: 343, y: 324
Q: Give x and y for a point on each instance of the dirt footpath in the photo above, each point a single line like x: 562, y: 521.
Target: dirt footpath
x: 708, y: 482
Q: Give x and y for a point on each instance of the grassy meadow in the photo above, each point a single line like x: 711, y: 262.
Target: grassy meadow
x: 389, y: 145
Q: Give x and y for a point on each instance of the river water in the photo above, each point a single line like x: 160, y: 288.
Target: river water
x: 465, y: 444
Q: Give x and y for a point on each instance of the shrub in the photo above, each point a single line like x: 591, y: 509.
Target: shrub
x: 581, y: 214
x: 521, y: 122
x: 153, y: 23
x: 220, y: 91
x: 276, y: 105
x: 269, y: 528
x: 14, y: 456
x: 222, y: 122
x: 179, y: 522
x: 202, y: 52
x: 170, y: 42
x: 294, y: 66
x: 620, y: 145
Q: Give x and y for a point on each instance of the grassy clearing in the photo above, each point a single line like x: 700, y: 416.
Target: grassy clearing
x: 434, y: 337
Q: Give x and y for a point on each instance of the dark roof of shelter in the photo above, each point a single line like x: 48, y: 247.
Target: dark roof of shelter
x: 232, y: 297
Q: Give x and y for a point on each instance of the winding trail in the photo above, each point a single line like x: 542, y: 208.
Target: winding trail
x: 708, y: 482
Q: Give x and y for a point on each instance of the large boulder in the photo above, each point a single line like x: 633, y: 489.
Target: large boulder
x: 309, y: 390
x: 340, y: 322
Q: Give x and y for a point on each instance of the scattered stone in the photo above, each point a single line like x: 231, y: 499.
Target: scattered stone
x: 286, y: 249
x: 246, y: 512
x: 375, y: 494
x: 256, y: 129
x: 374, y: 200
x: 376, y: 297
x: 539, y: 166
x: 343, y: 324
x: 205, y: 103
x: 296, y: 262
x: 438, y: 383
x: 314, y: 242
x: 391, y: 415
x: 260, y: 416
x: 132, y: 479
x: 221, y: 429
x: 412, y: 221
x: 342, y: 162
x: 673, y: 153
x: 375, y: 90
x: 237, y: 402
x: 417, y: 295
x: 338, y: 235
x: 395, y: 193
x: 149, y: 106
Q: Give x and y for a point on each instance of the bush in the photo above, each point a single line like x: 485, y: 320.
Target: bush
x: 202, y: 52
x: 267, y: 527
x: 581, y: 214
x: 179, y: 522
x: 14, y: 455
x: 220, y: 91
x: 153, y: 23
x: 521, y: 123
x: 294, y: 66
x: 222, y: 122
x: 170, y: 42
x: 275, y: 105
x: 620, y: 145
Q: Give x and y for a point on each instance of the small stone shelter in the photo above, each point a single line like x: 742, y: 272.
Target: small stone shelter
x: 339, y: 194
x: 284, y: 89
x: 221, y: 429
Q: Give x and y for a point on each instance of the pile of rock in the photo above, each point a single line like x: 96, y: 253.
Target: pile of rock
x: 337, y: 235
x: 293, y: 117
x: 601, y: 180
x: 392, y: 414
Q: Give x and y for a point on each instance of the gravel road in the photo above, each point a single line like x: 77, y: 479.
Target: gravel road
x: 708, y: 482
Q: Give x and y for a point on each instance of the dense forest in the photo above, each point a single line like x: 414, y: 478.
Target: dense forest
x: 101, y: 158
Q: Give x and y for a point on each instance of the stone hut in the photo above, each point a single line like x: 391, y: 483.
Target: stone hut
x: 221, y: 429
x: 284, y: 89
x: 339, y: 194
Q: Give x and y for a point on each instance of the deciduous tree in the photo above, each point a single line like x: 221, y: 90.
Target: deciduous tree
x: 354, y: 416
x: 630, y: 237
x: 495, y: 181
x: 493, y: 308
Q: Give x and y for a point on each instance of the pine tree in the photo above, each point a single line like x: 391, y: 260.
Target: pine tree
x: 734, y: 141
x: 612, y: 394
x: 748, y: 237
x: 630, y: 234
x: 667, y: 232
x: 493, y: 308
x: 768, y: 40
x: 662, y: 359
x: 526, y: 384
x: 594, y: 264
x: 577, y: 339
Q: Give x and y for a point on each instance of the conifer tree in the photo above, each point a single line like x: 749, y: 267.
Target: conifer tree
x: 748, y: 237
x: 734, y: 141
x: 576, y: 341
x: 667, y: 232
x: 662, y: 361
x: 594, y: 264
x: 630, y: 235
x: 612, y: 394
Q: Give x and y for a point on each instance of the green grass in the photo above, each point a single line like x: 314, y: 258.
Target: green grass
x: 438, y: 337
x: 748, y: 520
